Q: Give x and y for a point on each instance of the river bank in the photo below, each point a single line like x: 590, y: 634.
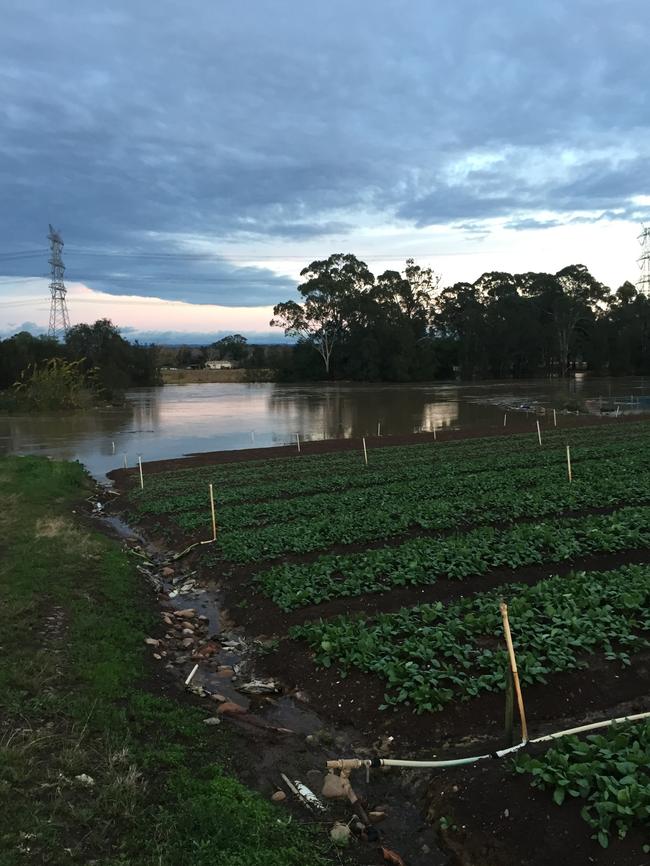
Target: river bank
x: 193, y: 377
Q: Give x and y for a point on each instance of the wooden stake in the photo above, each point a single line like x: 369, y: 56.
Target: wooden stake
x: 365, y: 452
x: 214, y: 518
x: 554, y: 418
x: 568, y: 463
x: 140, y: 468
x: 503, y: 607
x: 298, y: 441
x: 435, y: 437
x: 505, y: 418
x: 539, y: 433
x: 510, y: 709
x: 378, y: 428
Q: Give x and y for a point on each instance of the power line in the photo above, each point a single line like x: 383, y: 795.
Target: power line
x: 223, y: 257
x: 28, y: 254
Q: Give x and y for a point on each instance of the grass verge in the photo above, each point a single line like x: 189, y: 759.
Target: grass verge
x: 97, y: 765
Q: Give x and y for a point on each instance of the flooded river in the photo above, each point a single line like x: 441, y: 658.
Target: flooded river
x: 179, y: 419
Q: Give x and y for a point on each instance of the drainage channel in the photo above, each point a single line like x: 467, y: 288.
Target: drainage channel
x: 200, y: 642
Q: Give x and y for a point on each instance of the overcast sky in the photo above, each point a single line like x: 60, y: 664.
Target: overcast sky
x: 195, y: 155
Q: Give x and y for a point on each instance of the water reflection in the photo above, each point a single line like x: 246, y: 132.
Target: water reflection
x: 180, y: 419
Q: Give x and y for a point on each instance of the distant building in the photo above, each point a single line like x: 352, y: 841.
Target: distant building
x: 221, y: 365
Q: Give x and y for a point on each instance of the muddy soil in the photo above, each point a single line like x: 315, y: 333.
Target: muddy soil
x: 265, y: 616
x: 493, y: 817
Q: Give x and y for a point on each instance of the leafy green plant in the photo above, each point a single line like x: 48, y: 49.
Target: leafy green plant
x: 432, y: 654
x: 425, y: 560
x: 610, y: 771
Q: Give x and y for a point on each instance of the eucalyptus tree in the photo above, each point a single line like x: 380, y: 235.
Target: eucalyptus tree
x: 332, y: 292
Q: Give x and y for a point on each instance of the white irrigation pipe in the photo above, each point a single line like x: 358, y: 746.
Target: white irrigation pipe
x: 365, y: 451
x: 354, y: 763
x: 140, y: 468
x: 539, y: 433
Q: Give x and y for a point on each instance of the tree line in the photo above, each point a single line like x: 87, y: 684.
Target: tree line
x: 402, y: 326
x: 91, y: 358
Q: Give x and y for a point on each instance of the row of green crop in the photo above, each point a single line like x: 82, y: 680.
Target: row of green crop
x: 422, y: 561
x: 268, y: 472
x: 420, y: 476
x: 609, y: 771
x: 606, y: 485
x: 436, y: 504
x: 433, y: 654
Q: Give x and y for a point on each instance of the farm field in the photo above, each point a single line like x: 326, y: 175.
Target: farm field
x: 376, y: 589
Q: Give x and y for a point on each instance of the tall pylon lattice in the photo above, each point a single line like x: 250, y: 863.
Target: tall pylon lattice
x: 59, y: 320
x: 643, y: 283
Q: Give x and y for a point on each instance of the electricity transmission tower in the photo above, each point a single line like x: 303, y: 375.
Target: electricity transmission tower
x: 643, y: 283
x: 59, y: 321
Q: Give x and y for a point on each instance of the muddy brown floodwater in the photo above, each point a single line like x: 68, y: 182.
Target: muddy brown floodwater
x: 174, y: 420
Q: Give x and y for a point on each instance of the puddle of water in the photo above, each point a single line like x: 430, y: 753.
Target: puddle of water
x: 286, y: 712
x: 120, y: 528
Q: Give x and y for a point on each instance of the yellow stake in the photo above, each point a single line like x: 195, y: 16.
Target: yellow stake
x: 214, y: 518
x: 503, y: 607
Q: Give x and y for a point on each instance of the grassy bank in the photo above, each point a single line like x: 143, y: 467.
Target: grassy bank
x: 96, y: 762
x: 189, y: 377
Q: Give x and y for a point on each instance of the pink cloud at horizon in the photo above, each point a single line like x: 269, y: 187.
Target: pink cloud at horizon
x: 132, y: 312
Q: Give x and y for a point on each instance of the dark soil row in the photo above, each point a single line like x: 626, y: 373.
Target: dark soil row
x: 496, y: 818
x: 264, y: 616
x: 602, y: 690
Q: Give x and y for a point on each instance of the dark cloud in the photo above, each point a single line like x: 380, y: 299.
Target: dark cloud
x: 527, y: 223
x: 134, y: 126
